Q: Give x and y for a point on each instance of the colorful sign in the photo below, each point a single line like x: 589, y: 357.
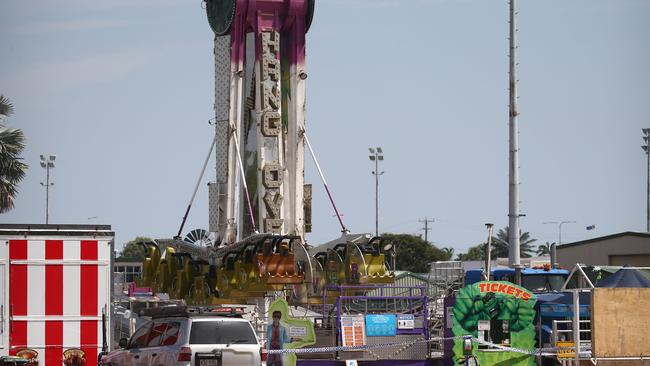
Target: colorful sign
x: 353, y: 330
x: 505, y: 288
x: 300, y: 330
x: 381, y: 325
x: 499, y: 312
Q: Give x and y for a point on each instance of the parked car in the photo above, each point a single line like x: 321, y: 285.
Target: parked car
x: 185, y: 337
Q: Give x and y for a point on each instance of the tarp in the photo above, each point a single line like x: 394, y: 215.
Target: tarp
x: 625, y: 277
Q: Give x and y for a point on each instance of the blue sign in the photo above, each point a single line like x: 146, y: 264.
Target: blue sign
x: 381, y: 325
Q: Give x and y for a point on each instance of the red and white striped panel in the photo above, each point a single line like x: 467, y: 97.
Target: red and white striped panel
x: 57, y: 290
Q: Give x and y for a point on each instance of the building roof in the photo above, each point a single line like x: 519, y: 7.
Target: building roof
x: 420, y: 276
x: 601, y: 238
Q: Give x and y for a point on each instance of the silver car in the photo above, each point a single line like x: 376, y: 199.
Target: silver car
x: 190, y: 339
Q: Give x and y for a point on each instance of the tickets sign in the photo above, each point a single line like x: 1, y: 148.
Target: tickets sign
x: 506, y: 289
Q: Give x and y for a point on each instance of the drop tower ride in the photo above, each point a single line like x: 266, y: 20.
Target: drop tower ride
x: 260, y: 75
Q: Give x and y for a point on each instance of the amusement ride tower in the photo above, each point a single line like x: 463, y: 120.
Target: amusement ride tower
x: 259, y: 50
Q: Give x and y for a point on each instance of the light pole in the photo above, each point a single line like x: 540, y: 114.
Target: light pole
x: 488, y: 255
x: 514, y: 257
x: 646, y: 148
x: 376, y: 155
x: 47, y: 162
x: 559, y: 223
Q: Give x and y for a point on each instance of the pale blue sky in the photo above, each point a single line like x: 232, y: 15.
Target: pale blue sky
x: 122, y: 91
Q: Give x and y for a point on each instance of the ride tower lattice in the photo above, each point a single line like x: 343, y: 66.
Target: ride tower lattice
x: 260, y: 74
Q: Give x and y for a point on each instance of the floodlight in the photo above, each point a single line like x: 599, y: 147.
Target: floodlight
x: 379, y: 150
x: 372, y: 157
x: 646, y: 130
x: 372, y: 151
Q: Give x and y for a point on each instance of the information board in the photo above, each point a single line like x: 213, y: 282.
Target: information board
x: 353, y: 330
x: 381, y: 325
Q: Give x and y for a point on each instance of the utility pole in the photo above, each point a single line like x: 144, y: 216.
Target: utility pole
x: 47, y: 162
x: 513, y: 196
x: 646, y: 148
x: 376, y: 155
x: 426, y: 227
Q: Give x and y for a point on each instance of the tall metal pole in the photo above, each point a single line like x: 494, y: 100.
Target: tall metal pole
x: 376, y: 154
x: 376, y: 197
x: 559, y: 241
x: 646, y: 148
x: 513, y: 212
x: 47, y: 162
x: 47, y: 195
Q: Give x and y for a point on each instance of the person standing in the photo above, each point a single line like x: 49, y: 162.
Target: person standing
x: 276, y: 337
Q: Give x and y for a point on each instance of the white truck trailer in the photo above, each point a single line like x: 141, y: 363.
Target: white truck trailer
x: 55, y: 291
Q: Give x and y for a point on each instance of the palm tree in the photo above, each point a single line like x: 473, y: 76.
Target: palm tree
x: 500, y: 247
x: 449, y: 252
x: 6, y: 108
x: 544, y: 249
x: 12, y: 169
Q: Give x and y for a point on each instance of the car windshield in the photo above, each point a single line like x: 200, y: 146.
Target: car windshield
x: 540, y: 283
x: 222, y: 332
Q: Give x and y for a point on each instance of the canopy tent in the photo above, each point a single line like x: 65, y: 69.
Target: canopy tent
x: 625, y: 277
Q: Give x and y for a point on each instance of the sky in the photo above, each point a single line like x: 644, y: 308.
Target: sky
x: 122, y: 91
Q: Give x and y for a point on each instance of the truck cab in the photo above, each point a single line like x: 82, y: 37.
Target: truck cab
x: 537, y: 279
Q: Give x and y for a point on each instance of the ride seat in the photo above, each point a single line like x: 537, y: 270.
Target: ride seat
x: 278, y: 268
x: 377, y: 272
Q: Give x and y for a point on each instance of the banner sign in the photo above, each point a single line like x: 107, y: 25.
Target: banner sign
x: 495, y: 312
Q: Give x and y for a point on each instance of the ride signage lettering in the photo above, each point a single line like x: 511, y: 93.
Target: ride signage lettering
x: 504, y: 288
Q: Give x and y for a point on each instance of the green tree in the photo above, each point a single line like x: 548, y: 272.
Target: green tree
x: 132, y: 250
x: 544, y: 249
x: 413, y: 253
x: 12, y: 169
x: 500, y: 246
x: 475, y: 253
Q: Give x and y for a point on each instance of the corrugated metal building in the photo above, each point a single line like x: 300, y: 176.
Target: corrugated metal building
x: 630, y: 248
x: 406, y: 278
